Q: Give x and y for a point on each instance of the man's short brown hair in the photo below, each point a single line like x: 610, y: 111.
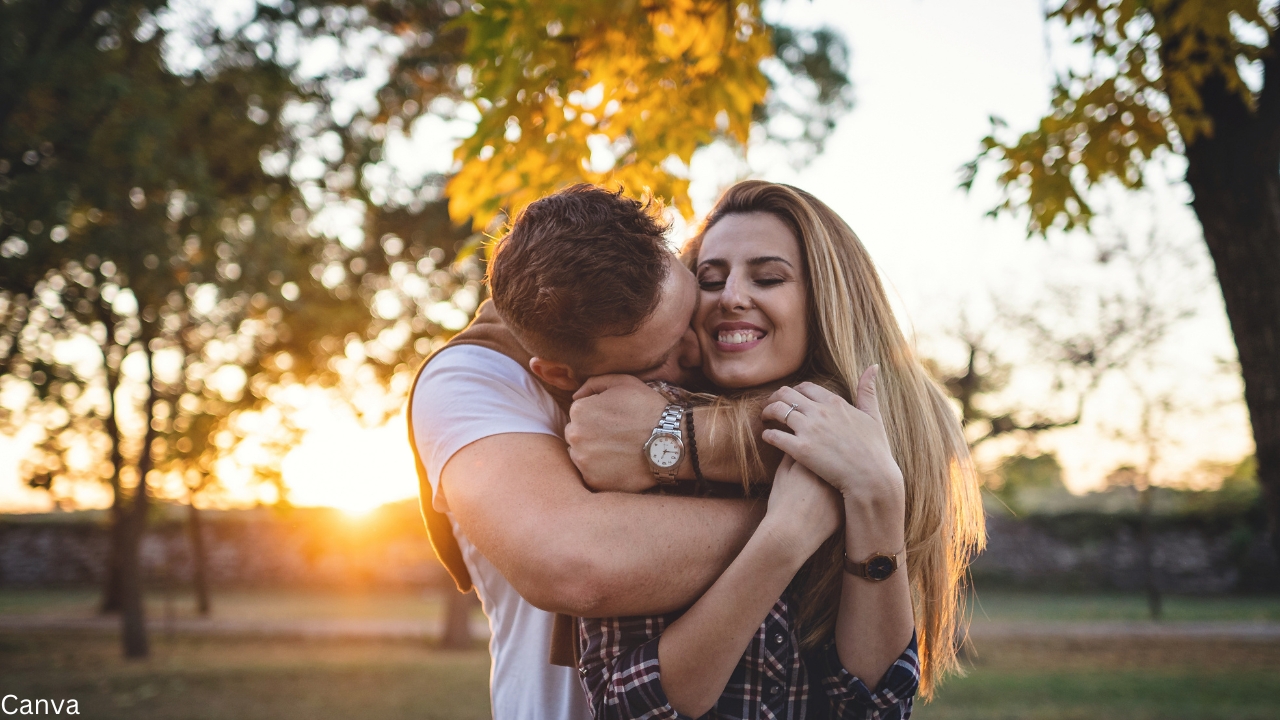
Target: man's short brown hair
x: 577, y: 265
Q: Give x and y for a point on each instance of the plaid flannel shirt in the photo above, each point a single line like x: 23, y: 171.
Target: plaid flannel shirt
x: 619, y: 670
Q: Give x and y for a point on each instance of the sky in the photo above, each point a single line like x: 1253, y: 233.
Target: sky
x: 927, y: 75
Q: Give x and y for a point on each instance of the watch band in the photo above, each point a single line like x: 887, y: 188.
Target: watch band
x: 877, y: 567
x: 670, y: 419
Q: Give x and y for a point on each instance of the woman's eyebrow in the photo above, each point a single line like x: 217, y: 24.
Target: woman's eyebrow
x: 768, y: 259
x: 764, y: 260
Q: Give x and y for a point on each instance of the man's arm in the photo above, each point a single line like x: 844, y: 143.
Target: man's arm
x: 613, y: 415
x: 521, y: 502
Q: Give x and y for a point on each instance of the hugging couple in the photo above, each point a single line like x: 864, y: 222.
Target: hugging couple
x: 714, y: 485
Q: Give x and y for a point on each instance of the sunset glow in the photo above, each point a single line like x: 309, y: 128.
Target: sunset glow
x: 352, y: 468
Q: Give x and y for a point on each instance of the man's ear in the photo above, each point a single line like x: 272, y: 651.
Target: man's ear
x: 555, y: 374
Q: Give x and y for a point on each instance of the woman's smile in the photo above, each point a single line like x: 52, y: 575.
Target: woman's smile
x: 738, y: 336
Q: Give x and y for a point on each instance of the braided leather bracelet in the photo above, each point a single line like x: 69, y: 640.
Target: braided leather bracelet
x: 700, y: 485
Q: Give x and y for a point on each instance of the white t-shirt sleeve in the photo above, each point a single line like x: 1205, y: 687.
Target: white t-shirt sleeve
x: 468, y: 393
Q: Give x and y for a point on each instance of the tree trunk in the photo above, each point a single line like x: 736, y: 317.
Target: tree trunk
x: 1155, y: 603
x: 111, y: 599
x: 199, y: 576
x: 133, y: 619
x: 1235, y: 177
x: 457, y: 612
x: 110, y: 602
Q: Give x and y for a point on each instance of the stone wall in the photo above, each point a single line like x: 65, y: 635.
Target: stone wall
x: 1193, y: 555
x: 255, y: 548
x: 317, y: 548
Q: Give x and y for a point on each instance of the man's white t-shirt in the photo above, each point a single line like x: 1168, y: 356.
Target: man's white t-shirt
x: 467, y: 393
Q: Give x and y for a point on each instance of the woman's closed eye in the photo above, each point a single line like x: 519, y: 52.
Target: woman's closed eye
x: 713, y: 283
x: 710, y: 281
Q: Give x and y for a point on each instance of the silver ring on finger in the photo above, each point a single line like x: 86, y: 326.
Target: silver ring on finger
x: 789, y: 411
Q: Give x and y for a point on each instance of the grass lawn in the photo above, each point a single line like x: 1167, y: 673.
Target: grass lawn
x: 247, y: 679
x: 1150, y: 679
x: 1027, y: 606
x: 250, y: 678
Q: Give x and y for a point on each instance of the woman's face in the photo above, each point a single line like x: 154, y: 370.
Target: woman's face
x: 751, y: 320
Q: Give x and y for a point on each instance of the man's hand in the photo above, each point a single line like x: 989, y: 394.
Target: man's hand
x: 611, y: 419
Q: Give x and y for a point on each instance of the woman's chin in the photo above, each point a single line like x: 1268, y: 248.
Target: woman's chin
x: 736, y: 378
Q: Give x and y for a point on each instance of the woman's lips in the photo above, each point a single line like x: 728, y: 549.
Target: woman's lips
x: 738, y: 336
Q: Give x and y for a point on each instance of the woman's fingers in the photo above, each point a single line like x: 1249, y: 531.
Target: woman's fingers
x: 784, y: 441
x: 817, y: 393
x: 784, y: 413
x: 791, y: 396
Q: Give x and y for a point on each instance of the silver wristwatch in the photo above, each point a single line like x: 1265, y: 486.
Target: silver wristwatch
x: 665, y: 447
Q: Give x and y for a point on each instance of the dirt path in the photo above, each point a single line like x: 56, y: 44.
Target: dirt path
x: 428, y: 629
x: 1101, y: 629
x: 304, y: 627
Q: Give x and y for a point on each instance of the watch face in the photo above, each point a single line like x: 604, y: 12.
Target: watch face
x: 880, y: 567
x: 664, y: 451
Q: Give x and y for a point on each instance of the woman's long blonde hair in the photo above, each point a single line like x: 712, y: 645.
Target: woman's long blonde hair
x: 851, y: 328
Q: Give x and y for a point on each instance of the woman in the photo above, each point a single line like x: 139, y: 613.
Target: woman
x: 789, y: 295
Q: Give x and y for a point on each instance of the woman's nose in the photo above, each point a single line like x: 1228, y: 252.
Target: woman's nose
x: 735, y: 295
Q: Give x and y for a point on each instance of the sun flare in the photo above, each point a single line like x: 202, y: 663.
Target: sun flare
x: 351, y: 468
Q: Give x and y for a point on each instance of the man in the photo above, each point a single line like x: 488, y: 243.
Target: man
x: 583, y: 285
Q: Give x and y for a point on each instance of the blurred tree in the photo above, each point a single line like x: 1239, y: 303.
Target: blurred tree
x: 1081, y: 335
x: 1239, y: 487
x: 983, y: 377
x: 1196, y: 78
x: 608, y: 92
x: 130, y: 192
x: 559, y: 92
x: 1151, y: 440
x: 1018, y: 473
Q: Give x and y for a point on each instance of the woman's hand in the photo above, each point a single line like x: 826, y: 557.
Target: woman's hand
x: 803, y: 510
x: 844, y: 444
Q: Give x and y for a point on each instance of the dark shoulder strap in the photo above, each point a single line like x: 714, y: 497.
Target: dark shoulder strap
x: 439, y: 530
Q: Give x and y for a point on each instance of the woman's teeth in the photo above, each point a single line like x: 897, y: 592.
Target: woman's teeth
x: 737, y: 337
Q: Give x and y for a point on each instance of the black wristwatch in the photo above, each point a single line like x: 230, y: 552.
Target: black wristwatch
x: 876, y: 568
